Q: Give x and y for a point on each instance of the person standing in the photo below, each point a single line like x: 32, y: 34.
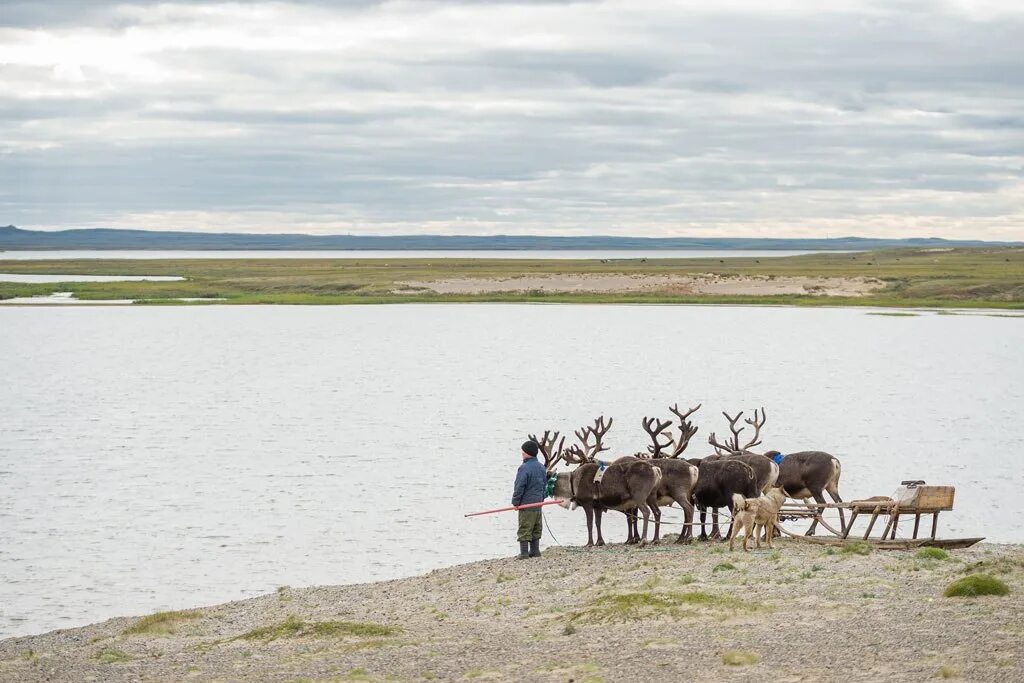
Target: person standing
x: 531, y: 480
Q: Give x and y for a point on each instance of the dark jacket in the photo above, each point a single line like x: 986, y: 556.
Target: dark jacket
x: 531, y: 480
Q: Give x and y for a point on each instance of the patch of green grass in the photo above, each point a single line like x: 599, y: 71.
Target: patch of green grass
x: 774, y: 556
x: 356, y: 675
x: 985, y: 277
x: 738, y: 658
x: 895, y: 314
x: 625, y: 607
x: 160, y: 623
x: 293, y: 627
x: 946, y: 671
x: 568, y: 630
x: 723, y: 567
x: 931, y: 554
x: 473, y: 673
x: 975, y: 585
x: 28, y: 655
x: 502, y: 577
x: 109, y: 655
x: 856, y: 548
x: 685, y: 580
x: 999, y: 565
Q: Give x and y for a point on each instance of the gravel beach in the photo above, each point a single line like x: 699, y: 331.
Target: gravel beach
x: 663, y: 612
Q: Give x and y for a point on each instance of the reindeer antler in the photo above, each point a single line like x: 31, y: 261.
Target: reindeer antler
x: 732, y: 445
x: 598, y: 431
x: 654, y: 428
x: 546, y: 443
x: 756, y: 423
x: 574, y: 455
x: 686, y: 429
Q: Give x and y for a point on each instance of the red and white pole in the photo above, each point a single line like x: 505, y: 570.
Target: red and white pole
x: 514, y: 507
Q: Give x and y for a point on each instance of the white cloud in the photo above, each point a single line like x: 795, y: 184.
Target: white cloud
x: 639, y: 117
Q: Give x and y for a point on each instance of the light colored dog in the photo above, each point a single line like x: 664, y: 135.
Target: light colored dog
x: 754, y: 514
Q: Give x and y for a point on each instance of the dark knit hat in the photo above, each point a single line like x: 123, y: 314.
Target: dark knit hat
x: 531, y: 448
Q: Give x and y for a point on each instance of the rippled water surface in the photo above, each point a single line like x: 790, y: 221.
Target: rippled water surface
x: 160, y: 458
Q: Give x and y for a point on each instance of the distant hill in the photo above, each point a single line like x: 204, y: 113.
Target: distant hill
x: 12, y: 238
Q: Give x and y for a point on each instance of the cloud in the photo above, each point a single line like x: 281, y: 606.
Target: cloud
x: 645, y: 117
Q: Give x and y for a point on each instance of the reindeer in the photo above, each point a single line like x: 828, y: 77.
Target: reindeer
x: 718, y: 480
x: 678, y: 476
x: 765, y: 469
x: 806, y: 475
x: 627, y: 484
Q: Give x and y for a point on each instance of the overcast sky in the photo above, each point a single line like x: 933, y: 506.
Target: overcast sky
x: 630, y: 117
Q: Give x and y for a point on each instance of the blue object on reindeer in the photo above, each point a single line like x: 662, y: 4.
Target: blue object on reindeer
x: 778, y: 458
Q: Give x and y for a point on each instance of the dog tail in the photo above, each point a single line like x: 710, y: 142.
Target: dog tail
x: 738, y: 502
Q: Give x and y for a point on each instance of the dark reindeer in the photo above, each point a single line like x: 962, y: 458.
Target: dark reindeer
x: 717, y: 480
x: 678, y: 477
x: 628, y: 484
x: 765, y: 470
x: 806, y: 475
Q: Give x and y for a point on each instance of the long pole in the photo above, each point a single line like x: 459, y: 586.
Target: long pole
x: 514, y: 507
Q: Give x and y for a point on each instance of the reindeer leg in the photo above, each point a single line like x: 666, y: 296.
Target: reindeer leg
x: 590, y: 525
x: 833, y: 492
x: 686, y: 535
x: 597, y: 523
x: 818, y: 498
x: 716, y: 533
x: 657, y: 523
x: 647, y: 515
x: 703, y: 518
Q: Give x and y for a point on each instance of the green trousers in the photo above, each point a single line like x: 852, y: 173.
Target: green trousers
x: 530, y: 524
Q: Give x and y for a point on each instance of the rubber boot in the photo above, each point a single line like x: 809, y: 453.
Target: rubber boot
x: 535, y: 548
x: 524, y: 550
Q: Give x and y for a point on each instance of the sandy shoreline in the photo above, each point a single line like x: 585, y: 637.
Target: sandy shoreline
x: 665, y: 612
x: 699, y: 284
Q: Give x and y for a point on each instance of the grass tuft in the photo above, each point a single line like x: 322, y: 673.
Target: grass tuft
x: 946, y: 671
x: 856, y: 548
x: 723, y: 567
x: 975, y: 585
x: 293, y: 627
x: 625, y: 607
x: 931, y: 554
x: 160, y: 624
x: 738, y: 658
x: 112, y: 656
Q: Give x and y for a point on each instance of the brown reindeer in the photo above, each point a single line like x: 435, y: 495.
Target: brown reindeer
x: 627, y: 484
x: 806, y: 475
x: 678, y: 476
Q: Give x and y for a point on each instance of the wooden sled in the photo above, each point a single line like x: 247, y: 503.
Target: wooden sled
x: 914, y: 500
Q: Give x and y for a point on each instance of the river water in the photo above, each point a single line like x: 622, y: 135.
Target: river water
x: 163, y: 458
